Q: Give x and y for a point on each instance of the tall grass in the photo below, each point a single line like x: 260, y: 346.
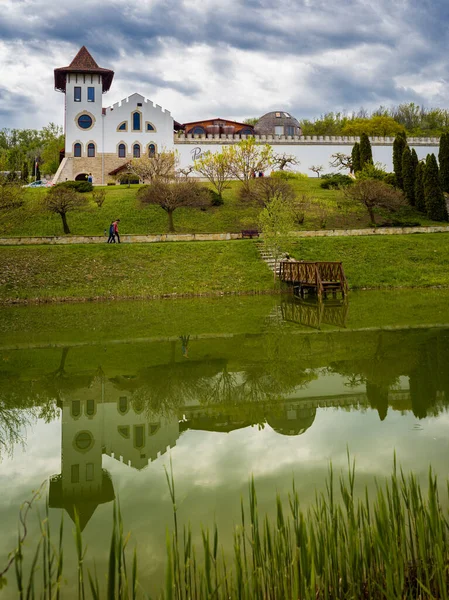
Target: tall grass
x: 391, y: 545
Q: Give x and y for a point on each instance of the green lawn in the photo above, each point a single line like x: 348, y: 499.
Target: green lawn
x: 233, y: 216
x: 127, y: 271
x: 383, y: 261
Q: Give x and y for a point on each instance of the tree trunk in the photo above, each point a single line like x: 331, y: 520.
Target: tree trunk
x: 371, y: 215
x: 65, y: 225
x: 171, y: 226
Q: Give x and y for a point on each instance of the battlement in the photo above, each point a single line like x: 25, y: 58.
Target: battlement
x: 139, y: 98
x: 299, y: 139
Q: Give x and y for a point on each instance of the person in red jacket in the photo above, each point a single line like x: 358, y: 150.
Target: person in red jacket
x: 116, y: 233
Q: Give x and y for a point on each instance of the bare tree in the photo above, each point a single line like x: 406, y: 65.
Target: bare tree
x: 216, y: 168
x: 185, y: 171
x: 99, y: 196
x: 176, y: 194
x: 61, y: 200
x: 283, y: 160
x: 264, y: 189
x: 374, y: 194
x: 341, y: 161
x: 161, y: 166
x: 316, y: 169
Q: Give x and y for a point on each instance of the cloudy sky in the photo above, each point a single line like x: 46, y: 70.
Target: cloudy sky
x: 236, y: 59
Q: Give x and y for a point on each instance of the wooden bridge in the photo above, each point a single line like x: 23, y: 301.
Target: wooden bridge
x: 314, y: 314
x: 321, y: 278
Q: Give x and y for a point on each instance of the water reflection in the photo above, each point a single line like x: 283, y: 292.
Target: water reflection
x: 132, y: 401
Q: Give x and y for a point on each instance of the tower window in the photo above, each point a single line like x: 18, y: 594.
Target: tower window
x: 139, y: 436
x: 85, y: 121
x: 123, y: 404
x: 136, y: 121
x: 77, y: 150
x: 77, y: 94
x: 90, y: 407
x: 121, y: 151
x: 83, y: 440
x: 136, y: 151
x: 75, y: 474
x: 151, y: 150
x: 89, y: 471
x: 91, y: 150
x: 76, y: 408
x: 91, y: 94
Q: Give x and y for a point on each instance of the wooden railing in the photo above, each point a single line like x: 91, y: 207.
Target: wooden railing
x: 319, y: 276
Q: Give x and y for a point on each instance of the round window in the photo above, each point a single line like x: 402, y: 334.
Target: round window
x: 85, y: 121
x: 83, y: 440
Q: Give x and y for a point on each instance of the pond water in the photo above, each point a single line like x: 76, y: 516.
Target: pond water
x: 96, y: 400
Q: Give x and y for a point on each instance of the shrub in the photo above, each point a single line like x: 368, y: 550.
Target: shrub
x: 390, y: 178
x: 335, y: 180
x: 370, y: 171
x: 264, y: 189
x: 215, y: 198
x: 81, y: 187
x: 286, y: 175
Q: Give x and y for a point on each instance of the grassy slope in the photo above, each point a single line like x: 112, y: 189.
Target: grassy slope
x: 390, y: 261
x: 234, y: 215
x: 130, y: 270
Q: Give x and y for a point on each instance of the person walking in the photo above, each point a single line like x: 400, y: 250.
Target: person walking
x: 111, y: 238
x: 116, y: 233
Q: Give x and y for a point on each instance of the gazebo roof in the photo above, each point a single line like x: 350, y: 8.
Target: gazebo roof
x: 83, y: 63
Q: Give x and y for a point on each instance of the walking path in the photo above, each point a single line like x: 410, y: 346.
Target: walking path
x: 209, y: 237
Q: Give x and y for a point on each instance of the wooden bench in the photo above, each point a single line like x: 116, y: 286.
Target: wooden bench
x: 249, y: 233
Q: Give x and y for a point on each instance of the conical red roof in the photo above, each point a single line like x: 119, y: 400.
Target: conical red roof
x: 83, y: 63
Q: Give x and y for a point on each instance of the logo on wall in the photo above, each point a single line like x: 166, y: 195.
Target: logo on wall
x: 196, y: 153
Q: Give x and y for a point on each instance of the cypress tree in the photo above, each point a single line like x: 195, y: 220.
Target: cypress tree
x: 433, y: 194
x: 366, y: 154
x: 355, y: 155
x: 420, y: 202
x: 443, y: 158
x: 399, y: 144
x: 408, y: 176
x: 25, y: 172
x: 38, y: 173
x: 415, y: 160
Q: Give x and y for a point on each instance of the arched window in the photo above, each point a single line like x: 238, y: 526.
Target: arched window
x: 77, y: 150
x: 121, y: 151
x: 246, y: 132
x: 151, y: 150
x: 123, y: 404
x: 91, y: 150
x: 198, y: 130
x: 136, y: 151
x: 123, y: 126
x: 150, y: 127
x: 136, y: 121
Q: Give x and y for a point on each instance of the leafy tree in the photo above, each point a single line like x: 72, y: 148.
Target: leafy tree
x: 251, y: 121
x: 370, y: 171
x: 443, y: 158
x: 99, y: 196
x: 366, y: 154
x: 283, y: 160
x: 276, y: 221
x: 246, y: 158
x: 375, y: 126
x: 374, y: 194
x: 399, y: 144
x: 25, y: 172
x: 215, y: 167
x: 408, y: 176
x: 61, y: 200
x: 355, y: 156
x: 179, y: 193
x: 420, y: 200
x: 433, y: 194
x: 316, y: 169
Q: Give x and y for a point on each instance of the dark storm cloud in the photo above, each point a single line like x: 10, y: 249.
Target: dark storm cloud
x: 13, y: 107
x: 187, y: 88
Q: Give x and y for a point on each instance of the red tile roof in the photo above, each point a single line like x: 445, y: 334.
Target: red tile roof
x: 83, y: 63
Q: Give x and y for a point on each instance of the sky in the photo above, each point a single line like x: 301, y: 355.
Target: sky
x: 235, y: 59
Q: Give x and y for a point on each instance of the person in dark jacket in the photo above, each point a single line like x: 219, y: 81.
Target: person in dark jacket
x: 111, y: 238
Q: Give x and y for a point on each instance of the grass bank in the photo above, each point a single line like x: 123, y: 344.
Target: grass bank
x: 383, y: 262
x: 392, y: 545
x: 325, y: 210
x: 130, y: 271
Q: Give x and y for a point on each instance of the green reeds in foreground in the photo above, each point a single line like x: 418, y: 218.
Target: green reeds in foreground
x: 392, y: 545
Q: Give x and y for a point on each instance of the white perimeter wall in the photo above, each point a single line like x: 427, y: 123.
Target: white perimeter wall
x: 307, y: 154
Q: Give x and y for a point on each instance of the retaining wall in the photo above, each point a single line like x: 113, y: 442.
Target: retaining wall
x: 211, y: 237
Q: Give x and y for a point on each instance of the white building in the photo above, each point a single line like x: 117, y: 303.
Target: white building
x: 102, y: 140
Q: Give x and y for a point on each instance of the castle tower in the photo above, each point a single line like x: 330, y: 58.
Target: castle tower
x: 83, y: 82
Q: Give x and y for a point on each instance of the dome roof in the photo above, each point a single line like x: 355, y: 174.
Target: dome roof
x: 267, y: 124
x: 295, y: 421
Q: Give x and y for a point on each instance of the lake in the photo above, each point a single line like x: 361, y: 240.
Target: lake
x: 97, y: 400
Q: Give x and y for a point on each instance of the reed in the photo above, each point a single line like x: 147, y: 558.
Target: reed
x: 392, y: 544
